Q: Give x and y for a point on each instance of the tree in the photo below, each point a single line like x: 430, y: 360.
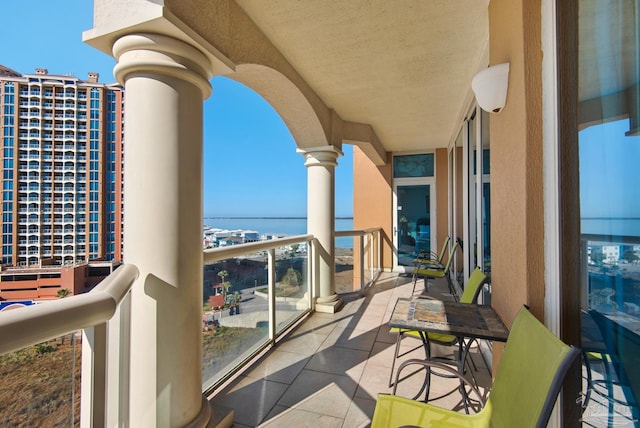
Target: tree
x: 223, y: 274
x: 225, y: 289
x: 597, y: 257
x: 630, y: 256
x: 292, y: 277
x: 226, y: 285
x: 63, y: 292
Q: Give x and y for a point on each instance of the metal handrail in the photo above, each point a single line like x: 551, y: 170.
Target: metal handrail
x: 45, y: 321
x: 359, y: 232
x: 216, y: 254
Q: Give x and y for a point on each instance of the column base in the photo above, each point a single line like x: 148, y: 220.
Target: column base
x: 221, y: 417
x: 328, y: 305
x: 212, y: 416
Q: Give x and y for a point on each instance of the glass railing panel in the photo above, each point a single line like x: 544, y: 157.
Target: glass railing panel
x: 235, y: 320
x: 292, y: 284
x: 369, y: 258
x: 40, y: 384
x: 357, y: 259
x: 611, y: 326
x: 346, y: 280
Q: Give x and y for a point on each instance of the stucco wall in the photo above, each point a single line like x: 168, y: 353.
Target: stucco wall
x: 516, y: 162
x: 442, y: 195
x: 372, y: 200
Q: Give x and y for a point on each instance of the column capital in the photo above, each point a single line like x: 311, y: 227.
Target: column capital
x: 164, y: 55
x: 320, y: 156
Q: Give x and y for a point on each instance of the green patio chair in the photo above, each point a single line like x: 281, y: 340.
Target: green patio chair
x: 527, y: 382
x: 427, y: 271
x: 430, y: 259
x: 476, y: 282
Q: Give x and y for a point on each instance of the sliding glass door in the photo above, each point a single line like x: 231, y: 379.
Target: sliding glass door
x: 414, y: 208
x: 609, y: 155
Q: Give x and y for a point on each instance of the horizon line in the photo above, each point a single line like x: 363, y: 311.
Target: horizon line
x: 268, y: 217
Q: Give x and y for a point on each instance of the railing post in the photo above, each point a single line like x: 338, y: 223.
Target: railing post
x: 311, y: 276
x: 379, y: 249
x: 118, y: 349
x: 272, y: 295
x: 93, y: 382
x: 361, y: 264
x: 584, y: 272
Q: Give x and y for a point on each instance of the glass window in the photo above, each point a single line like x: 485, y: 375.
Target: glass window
x: 413, y: 166
x: 609, y: 155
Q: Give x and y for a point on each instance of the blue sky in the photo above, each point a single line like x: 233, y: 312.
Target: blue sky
x: 609, y: 171
x: 251, y: 167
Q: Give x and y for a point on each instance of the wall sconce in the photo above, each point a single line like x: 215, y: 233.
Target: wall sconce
x: 490, y: 87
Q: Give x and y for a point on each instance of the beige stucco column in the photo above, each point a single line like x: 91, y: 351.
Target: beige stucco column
x: 165, y: 81
x: 321, y: 163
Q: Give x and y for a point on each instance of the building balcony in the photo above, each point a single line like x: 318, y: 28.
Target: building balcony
x: 284, y: 327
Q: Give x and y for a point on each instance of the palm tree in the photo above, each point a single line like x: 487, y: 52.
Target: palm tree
x: 225, y: 289
x: 62, y: 293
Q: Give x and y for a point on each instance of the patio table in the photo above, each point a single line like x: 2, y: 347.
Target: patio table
x: 463, y: 320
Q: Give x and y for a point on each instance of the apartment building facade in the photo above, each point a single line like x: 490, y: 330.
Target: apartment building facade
x: 61, y: 169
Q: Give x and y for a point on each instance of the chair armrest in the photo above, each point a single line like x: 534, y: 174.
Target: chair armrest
x: 440, y: 366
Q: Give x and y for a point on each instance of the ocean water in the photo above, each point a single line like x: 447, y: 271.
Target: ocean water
x: 628, y: 227
x: 279, y: 226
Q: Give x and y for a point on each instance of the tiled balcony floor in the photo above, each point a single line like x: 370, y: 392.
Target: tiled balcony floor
x: 329, y: 370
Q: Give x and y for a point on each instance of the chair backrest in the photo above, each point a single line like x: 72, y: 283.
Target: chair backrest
x: 530, y: 374
x: 452, y: 251
x: 473, y: 287
x: 443, y: 250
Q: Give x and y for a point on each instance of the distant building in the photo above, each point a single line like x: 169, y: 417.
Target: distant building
x: 61, y: 169
x: 33, y: 284
x: 611, y: 253
x: 214, y: 237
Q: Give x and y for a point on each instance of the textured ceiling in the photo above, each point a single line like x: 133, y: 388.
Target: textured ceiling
x: 403, y: 67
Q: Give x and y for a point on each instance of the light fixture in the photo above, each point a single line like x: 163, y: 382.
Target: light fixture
x: 490, y: 87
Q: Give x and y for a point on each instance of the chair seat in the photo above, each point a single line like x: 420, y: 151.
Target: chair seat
x: 396, y: 411
x: 428, y: 263
x: 444, y: 339
x: 430, y: 272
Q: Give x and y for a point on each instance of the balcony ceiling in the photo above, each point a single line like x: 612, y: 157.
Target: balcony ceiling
x: 402, y: 67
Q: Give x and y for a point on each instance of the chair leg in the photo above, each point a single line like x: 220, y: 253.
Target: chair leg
x: 587, y: 394
x: 426, y: 386
x: 415, y: 282
x: 397, y: 354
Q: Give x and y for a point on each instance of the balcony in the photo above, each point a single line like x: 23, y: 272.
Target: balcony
x: 328, y: 84
x: 270, y: 318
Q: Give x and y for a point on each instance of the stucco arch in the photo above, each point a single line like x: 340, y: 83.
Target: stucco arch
x: 287, y: 99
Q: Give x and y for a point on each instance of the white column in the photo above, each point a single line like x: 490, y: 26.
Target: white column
x: 321, y: 163
x: 165, y: 81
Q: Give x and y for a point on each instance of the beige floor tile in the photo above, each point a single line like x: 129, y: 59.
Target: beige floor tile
x: 374, y: 380
x: 360, y: 413
x: 340, y: 361
x: 324, y: 393
x: 302, y: 342
x: 366, y: 322
x: 251, y: 399
x: 317, y: 324
x: 385, y: 334
x: 279, y: 366
x: 351, y: 338
x: 297, y: 418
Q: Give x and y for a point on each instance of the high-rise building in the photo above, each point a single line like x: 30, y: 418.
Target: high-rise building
x: 61, y: 164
